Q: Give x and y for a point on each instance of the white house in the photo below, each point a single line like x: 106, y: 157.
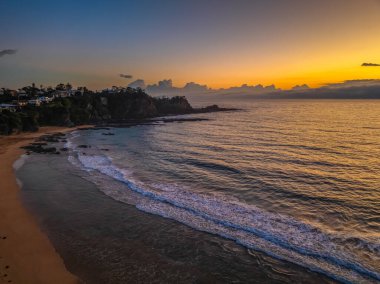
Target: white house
x: 62, y: 94
x: 34, y: 102
x: 10, y: 107
x: 21, y: 93
x: 44, y: 99
x: 20, y: 103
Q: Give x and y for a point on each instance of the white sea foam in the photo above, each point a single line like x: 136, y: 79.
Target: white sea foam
x: 69, y: 143
x: 19, y: 183
x: 19, y: 162
x: 278, y: 235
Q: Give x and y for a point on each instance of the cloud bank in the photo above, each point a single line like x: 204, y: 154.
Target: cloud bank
x: 7, y: 52
x: 139, y: 83
x: 370, y: 65
x: 165, y: 87
x: 350, y: 89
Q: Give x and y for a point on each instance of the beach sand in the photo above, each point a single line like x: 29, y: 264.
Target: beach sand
x: 26, y: 254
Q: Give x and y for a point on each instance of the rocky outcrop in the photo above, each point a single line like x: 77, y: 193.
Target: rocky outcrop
x: 174, y: 105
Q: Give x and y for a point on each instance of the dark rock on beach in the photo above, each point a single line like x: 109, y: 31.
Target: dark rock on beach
x: 84, y: 146
x: 39, y: 149
x: 52, y: 138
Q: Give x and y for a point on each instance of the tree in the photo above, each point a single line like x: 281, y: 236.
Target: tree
x: 60, y: 87
x: 68, y: 87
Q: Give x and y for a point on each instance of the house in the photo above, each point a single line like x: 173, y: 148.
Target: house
x: 20, y: 103
x: 21, y: 92
x: 110, y: 91
x: 61, y: 94
x: 34, y: 102
x: 10, y: 107
x: 79, y: 91
x: 44, y: 99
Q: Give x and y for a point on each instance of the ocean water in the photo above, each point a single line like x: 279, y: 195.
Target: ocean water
x: 297, y: 181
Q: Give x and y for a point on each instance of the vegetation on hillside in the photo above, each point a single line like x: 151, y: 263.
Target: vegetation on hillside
x: 92, y: 108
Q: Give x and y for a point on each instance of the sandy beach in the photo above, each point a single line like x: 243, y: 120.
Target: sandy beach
x: 26, y: 254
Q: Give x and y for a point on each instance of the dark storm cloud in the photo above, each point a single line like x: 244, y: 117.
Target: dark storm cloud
x: 125, y: 76
x: 370, y: 65
x: 7, y: 52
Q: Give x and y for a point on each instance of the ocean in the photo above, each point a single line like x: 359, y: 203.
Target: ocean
x: 281, y: 191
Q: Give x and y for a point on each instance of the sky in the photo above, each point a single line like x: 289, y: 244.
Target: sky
x: 217, y: 43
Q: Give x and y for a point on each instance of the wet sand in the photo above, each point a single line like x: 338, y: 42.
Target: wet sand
x: 26, y: 254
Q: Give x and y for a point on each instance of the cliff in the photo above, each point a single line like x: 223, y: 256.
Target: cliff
x: 133, y: 104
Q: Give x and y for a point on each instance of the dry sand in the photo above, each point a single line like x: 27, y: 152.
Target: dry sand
x: 26, y: 254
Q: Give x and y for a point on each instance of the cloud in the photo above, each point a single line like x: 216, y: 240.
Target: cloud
x: 354, y: 83
x: 139, y: 83
x: 350, y: 89
x: 7, y: 52
x: 247, y: 89
x: 125, y: 76
x: 300, y: 87
x: 195, y: 87
x: 370, y: 65
x: 165, y: 87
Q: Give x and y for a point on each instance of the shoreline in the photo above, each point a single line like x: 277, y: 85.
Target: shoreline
x: 26, y: 253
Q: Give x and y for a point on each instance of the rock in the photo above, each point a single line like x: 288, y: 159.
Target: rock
x: 213, y: 108
x: 49, y: 150
x: 39, y: 149
x: 39, y: 143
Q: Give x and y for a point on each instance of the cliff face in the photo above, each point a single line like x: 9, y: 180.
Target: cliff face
x: 138, y: 105
x: 174, y: 105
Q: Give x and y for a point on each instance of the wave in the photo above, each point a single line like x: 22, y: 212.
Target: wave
x: 345, y: 258
x: 19, y: 162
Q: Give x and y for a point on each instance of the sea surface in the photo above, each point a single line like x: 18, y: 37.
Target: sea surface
x: 281, y: 191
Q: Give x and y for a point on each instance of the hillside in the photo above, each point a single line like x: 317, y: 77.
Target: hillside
x: 95, y: 108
